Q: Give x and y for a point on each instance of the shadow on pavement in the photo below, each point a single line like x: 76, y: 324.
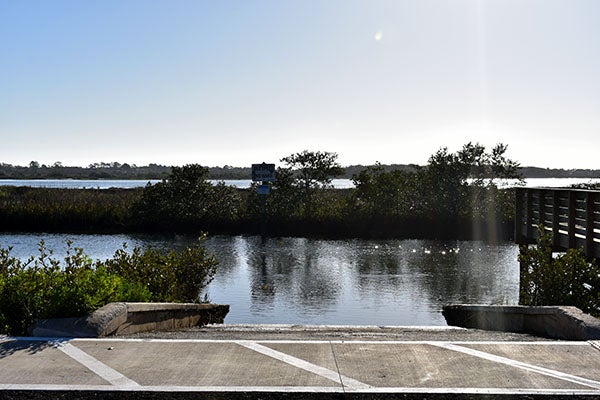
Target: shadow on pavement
x: 11, y: 347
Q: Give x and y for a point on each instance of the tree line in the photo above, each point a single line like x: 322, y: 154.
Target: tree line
x: 454, y: 196
x: 116, y: 170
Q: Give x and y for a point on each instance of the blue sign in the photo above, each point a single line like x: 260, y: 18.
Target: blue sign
x: 263, y: 172
x: 264, y: 189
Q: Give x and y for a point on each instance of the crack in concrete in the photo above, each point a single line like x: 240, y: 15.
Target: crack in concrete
x: 337, y: 367
x: 305, y: 365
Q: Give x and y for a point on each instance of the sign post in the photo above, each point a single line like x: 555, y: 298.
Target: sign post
x: 263, y: 173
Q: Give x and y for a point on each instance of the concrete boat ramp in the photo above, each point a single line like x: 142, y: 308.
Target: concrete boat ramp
x: 294, y: 362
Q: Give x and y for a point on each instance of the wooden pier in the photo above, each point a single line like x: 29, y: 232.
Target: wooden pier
x: 572, y: 215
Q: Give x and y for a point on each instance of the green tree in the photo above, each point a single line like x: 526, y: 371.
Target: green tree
x: 285, y: 200
x: 384, y: 194
x: 187, y: 198
x: 308, y: 172
x: 314, y: 169
x: 461, y: 183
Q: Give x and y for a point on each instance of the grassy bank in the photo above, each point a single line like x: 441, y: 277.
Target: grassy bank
x: 27, y: 209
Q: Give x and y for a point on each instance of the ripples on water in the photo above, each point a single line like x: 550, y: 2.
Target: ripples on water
x: 307, y: 281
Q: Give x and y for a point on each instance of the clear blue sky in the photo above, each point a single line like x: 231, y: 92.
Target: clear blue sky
x: 236, y: 82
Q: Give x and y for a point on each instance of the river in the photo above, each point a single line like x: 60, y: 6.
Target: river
x: 244, y: 183
x: 310, y: 281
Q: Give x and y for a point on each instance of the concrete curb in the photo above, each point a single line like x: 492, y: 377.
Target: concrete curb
x: 555, y: 322
x: 130, y: 318
x: 272, y: 395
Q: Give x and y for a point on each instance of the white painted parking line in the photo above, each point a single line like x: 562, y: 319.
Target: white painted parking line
x: 317, y: 328
x: 518, y: 364
x: 305, y: 365
x: 297, y: 389
x: 490, y: 391
x: 120, y: 382
x: 102, y: 370
x: 36, y: 387
x: 304, y: 341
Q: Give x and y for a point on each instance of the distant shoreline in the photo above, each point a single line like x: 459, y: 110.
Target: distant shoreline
x: 117, y: 171
x: 69, y: 183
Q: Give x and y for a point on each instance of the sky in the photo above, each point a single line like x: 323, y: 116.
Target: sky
x: 239, y: 82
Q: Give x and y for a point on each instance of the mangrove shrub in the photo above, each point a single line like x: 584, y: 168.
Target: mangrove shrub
x: 186, y: 200
x: 567, y: 279
x: 174, y: 276
x: 304, y: 177
x: 46, y: 287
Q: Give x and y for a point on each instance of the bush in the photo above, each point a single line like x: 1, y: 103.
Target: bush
x: 177, y: 276
x: 43, y: 287
x: 186, y: 201
x: 568, y: 279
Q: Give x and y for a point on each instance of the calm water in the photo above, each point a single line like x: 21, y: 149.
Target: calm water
x: 306, y: 281
x: 125, y: 184
x: 77, y: 183
x: 243, y: 183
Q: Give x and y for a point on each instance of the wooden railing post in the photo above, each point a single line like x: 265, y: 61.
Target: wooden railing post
x: 529, y: 214
x: 519, y: 238
x: 573, y: 217
x: 589, y: 224
x: 555, y: 218
x: 572, y: 214
x: 542, y: 207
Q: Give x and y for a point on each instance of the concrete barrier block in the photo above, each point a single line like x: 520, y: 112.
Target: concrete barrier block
x: 556, y: 322
x: 107, y: 319
x: 129, y: 318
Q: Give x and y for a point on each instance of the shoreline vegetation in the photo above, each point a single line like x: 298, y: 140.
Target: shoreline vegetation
x: 109, y: 211
x: 47, y: 287
x: 454, y: 196
x: 117, y: 171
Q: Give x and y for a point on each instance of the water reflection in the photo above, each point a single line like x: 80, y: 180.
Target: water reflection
x: 306, y: 281
x: 400, y: 282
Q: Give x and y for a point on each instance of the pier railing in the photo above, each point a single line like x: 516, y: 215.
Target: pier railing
x: 572, y: 215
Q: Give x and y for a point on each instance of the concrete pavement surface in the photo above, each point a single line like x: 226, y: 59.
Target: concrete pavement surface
x: 300, y: 363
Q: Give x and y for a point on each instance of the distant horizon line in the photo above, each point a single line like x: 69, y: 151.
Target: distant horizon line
x: 111, y: 164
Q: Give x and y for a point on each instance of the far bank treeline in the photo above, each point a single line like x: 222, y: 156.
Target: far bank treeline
x: 125, y: 171
x: 454, y: 196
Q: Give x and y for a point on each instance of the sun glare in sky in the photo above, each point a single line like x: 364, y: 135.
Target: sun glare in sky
x: 247, y: 81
